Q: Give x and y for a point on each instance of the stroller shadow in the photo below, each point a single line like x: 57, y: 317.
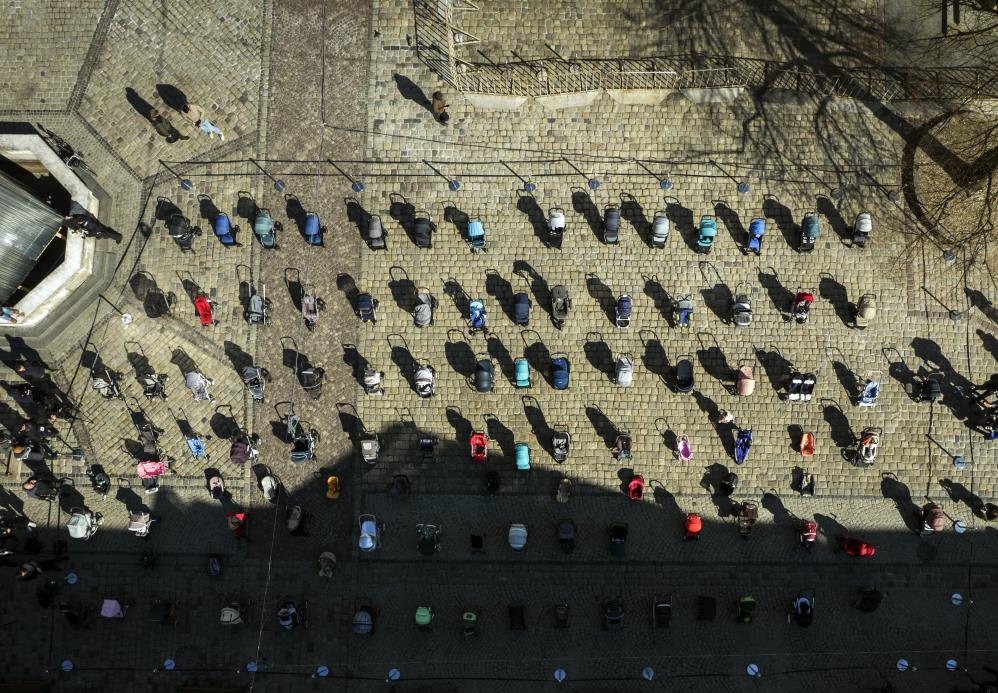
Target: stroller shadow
x: 350, y: 421
x: 604, y: 428
x: 460, y: 355
x: 659, y: 296
x: 603, y: 296
x: 631, y: 210
x: 453, y: 288
x: 223, y: 423
x: 207, y: 209
x: 246, y: 208
x: 182, y: 360
x: 848, y: 380
x: 296, y: 290
x: 655, y: 358
x: 357, y: 363
x: 237, y: 357
x: 498, y: 351
x: 830, y: 527
x: 500, y: 434
x: 538, y: 285
x: 459, y: 218
x: 357, y: 215
x: 899, y: 369
x: 732, y: 222
x: 781, y: 297
x: 538, y: 424
x: 527, y: 204
x: 537, y: 355
x: 165, y: 208
x: 827, y: 209
x: 598, y: 354
x: 835, y: 293
x: 718, y: 299
x: 295, y: 211
x: 841, y: 430
x: 499, y: 288
x: 462, y: 427
x: 404, y: 213
x: 682, y: 220
x: 774, y: 504
x: 894, y: 490
x: 958, y: 493
x: 403, y: 289
x: 711, y: 482
x: 773, y: 209
x: 777, y: 368
x: 713, y: 360
x: 582, y: 203
x: 403, y: 360
x: 346, y: 284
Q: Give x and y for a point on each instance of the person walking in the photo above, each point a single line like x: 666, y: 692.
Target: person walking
x: 195, y: 114
x: 439, y: 107
x: 165, y: 128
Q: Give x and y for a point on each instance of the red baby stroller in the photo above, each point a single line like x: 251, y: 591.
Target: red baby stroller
x: 802, y: 306
x: 692, y: 526
x: 479, y: 447
x: 636, y: 487
x: 808, y: 534
x: 203, y: 306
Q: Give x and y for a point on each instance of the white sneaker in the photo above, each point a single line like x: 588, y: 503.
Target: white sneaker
x: 221, y: 136
x: 211, y: 135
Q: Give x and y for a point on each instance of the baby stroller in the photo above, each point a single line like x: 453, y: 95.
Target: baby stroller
x: 933, y: 518
x: 622, y: 446
x: 556, y: 227
x: 422, y: 232
x: 311, y: 379
x: 291, y: 615
x: 106, y: 384
x: 153, y: 385
x: 861, y: 229
x: 617, y: 539
x: 522, y: 457
x: 741, y: 311
x: 479, y: 447
x: 746, y: 381
x: 742, y: 445
x: 372, y: 382
x: 560, y: 305
x: 559, y: 372
x: 180, y: 230
x: 684, y: 449
x: 313, y: 230
x: 866, y: 311
x: 370, y: 533
x: 149, y: 472
x: 808, y: 533
x: 367, y: 308
x: 521, y: 309
x: 748, y: 513
x: 424, y: 381
x: 623, y: 311
x: 224, y: 229
x: 422, y: 314
x: 484, y: 375
x: 561, y: 441
x: 258, y: 310
x: 476, y: 235
x: 611, y: 224
x: 265, y: 229
x: 477, y: 317
x: 370, y: 447
x: 810, y: 229
x: 684, y: 374
x: 660, y: 230
x: 708, y: 230
x: 661, y: 611
x: 363, y: 618
x: 255, y: 380
x: 310, y: 307
x: 375, y: 233
x: 521, y: 373
x: 83, y: 523
x: 100, y: 480
x: 871, y: 390
x: 198, y: 385
x: 807, y: 445
x: 564, y: 492
x: 692, y: 527
x: 802, y: 610
x: 756, y: 230
x: 636, y: 487
x: 204, y: 307
x: 624, y: 370
x: 801, y: 387
x: 517, y: 536
x: 746, y: 609
x: 869, y: 443
x: 303, y: 440
x: 427, y: 539
x: 216, y: 486
x: 682, y: 314
x: 802, y: 306
x: 140, y: 523
x: 242, y: 449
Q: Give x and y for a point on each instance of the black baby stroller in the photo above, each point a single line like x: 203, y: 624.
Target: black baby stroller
x: 255, y: 380
x: 560, y: 305
x: 153, y: 384
x: 802, y: 610
x: 181, y: 231
x: 311, y: 380
x: 427, y: 539
x: 422, y: 231
x: 367, y: 308
x: 684, y: 374
x: 521, y: 309
x: 748, y: 513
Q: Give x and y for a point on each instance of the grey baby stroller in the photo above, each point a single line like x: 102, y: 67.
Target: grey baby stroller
x: 153, y: 385
x: 560, y: 305
x: 422, y: 314
x: 425, y: 381
x: 310, y: 307
x: 741, y: 310
x: 303, y: 440
x: 624, y: 370
x: 370, y: 447
x: 198, y: 384
x: 660, y: 228
x: 106, y: 383
x: 372, y: 382
x: 375, y: 233
x: 311, y: 379
x: 255, y: 380
x: 258, y: 308
x: 82, y: 523
x: 561, y: 441
x: 611, y: 224
x: 861, y: 230
x: 140, y: 523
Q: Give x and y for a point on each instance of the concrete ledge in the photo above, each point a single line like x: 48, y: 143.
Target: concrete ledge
x: 639, y: 97
x: 579, y: 99
x: 713, y: 95
x: 496, y: 102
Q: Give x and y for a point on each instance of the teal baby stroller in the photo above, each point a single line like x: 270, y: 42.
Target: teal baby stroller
x: 265, y: 229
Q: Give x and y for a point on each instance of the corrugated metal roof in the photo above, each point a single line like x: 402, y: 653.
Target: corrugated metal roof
x: 27, y: 226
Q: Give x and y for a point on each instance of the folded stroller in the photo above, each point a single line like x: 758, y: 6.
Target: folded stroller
x: 198, y: 385
x: 623, y: 311
x: 742, y: 445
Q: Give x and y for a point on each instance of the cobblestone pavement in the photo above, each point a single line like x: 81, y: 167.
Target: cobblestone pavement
x: 297, y: 83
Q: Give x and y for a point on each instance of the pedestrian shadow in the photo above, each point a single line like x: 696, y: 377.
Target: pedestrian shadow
x: 602, y: 425
x: 773, y: 209
x: 732, y: 222
x: 781, y: 297
x: 682, y: 220
x: 655, y: 358
x: 501, y: 290
x: 958, y: 493
x: 827, y: 209
x: 842, y: 434
x: 893, y: 489
x: 598, y: 354
x: 660, y: 297
x: 582, y: 203
x: 603, y: 295
x: 171, y: 96
x: 498, y: 351
x: 527, y: 204
x: 141, y: 106
x: 411, y: 91
x: 631, y: 210
x: 989, y: 342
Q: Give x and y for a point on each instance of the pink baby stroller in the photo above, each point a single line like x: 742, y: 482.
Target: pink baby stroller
x: 684, y: 449
x: 150, y: 471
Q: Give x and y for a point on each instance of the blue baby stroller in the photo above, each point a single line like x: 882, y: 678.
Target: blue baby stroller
x: 757, y: 229
x: 522, y: 457
x: 476, y: 235
x: 871, y: 390
x: 521, y: 309
x: 742, y: 445
x: 708, y: 229
x: 623, y: 311
x: 522, y: 372
x: 559, y: 372
x: 682, y: 316
x: 224, y: 229
x: 477, y: 317
x: 312, y: 230
x: 265, y: 229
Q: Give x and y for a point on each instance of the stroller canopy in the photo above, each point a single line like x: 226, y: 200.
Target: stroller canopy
x: 522, y: 454
x: 746, y: 380
x: 424, y: 380
x: 559, y: 372
x: 518, y: 536
x: 521, y: 308
x: 864, y: 223
x: 625, y: 370
x: 81, y: 524
x: 556, y: 219
x: 198, y: 385
x: 660, y: 227
x: 368, y: 533
x: 624, y: 306
x: 684, y: 375
x: 484, y: 371
x: 812, y: 226
x: 423, y: 313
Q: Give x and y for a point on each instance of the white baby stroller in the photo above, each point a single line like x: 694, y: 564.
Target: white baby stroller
x: 198, y: 385
x: 425, y: 381
x: 871, y: 390
x: 82, y: 523
x: 556, y: 226
x: 140, y: 523
x: 625, y: 370
x: 869, y: 444
x: 422, y: 315
x: 741, y: 310
x: 372, y: 382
